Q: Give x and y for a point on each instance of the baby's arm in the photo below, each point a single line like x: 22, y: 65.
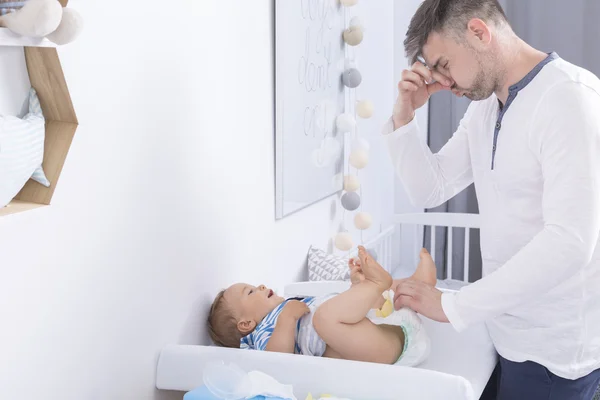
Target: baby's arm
x: 283, y: 339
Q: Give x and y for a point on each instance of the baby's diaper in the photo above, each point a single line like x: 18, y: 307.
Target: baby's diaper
x: 417, y: 344
x: 307, y: 339
x: 416, y: 340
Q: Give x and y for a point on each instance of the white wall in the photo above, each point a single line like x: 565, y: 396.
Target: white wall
x: 167, y: 194
x: 406, y: 255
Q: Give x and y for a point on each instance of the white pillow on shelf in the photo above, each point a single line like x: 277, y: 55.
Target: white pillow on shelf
x: 21, y: 150
x: 326, y: 267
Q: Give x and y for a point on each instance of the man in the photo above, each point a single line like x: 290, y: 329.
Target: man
x: 530, y: 141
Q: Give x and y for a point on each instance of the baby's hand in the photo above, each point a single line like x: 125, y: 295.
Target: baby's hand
x: 295, y: 309
x: 356, y: 273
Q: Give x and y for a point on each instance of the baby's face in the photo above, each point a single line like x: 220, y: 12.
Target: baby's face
x: 251, y: 303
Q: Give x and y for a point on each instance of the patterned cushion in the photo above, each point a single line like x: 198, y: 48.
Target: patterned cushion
x: 9, y: 6
x: 326, y: 267
x: 21, y: 150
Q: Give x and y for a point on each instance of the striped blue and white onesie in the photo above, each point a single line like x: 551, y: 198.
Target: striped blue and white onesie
x: 307, y: 340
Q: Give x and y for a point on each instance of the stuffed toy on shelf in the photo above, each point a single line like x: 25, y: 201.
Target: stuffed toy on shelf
x: 41, y: 19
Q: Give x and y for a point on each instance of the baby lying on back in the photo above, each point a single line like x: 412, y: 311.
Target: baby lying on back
x: 342, y: 325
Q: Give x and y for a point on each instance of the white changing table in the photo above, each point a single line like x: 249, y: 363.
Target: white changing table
x: 458, y: 368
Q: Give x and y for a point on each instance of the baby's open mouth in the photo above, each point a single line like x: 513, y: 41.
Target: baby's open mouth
x: 270, y: 294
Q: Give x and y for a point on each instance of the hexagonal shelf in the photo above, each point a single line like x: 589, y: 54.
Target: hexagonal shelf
x: 46, y: 76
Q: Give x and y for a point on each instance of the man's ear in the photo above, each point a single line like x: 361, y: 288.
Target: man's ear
x: 245, y: 326
x: 480, y: 30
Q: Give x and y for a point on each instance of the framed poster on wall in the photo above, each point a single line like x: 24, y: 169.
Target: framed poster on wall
x: 309, y: 95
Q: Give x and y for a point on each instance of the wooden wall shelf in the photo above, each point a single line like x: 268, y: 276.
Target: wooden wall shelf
x: 47, y: 78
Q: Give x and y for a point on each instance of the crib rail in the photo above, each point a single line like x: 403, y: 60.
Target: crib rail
x: 441, y: 220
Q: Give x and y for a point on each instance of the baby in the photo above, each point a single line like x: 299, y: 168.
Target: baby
x: 337, y: 326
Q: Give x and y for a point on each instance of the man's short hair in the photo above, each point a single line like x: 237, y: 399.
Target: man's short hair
x: 448, y: 16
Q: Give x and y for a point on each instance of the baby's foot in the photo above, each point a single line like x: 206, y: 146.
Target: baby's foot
x: 426, y: 271
x: 356, y: 274
x: 373, y: 271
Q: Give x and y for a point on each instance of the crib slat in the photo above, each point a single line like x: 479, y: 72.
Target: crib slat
x: 417, y: 242
x: 392, y: 249
x: 381, y: 252
x: 382, y: 256
x: 449, y: 275
x: 467, y: 247
x: 389, y: 256
x: 433, y: 242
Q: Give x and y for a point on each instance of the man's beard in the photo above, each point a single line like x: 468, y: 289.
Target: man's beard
x: 484, y: 85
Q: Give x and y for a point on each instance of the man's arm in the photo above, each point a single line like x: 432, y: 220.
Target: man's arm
x: 430, y: 179
x: 568, y: 144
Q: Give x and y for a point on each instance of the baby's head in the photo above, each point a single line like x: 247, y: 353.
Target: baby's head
x: 237, y: 311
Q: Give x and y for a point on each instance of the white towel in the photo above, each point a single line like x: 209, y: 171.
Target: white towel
x: 262, y: 384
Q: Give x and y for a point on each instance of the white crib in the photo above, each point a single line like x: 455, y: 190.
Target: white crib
x: 458, y: 368
x: 410, y: 228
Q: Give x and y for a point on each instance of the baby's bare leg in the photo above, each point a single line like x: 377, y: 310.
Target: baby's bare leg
x: 353, y: 305
x: 331, y: 353
x: 341, y: 321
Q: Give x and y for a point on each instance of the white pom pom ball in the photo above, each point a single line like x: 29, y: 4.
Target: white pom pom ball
x: 351, y: 183
x: 363, y: 220
x: 359, y: 158
x: 345, y: 123
x: 343, y: 241
x: 354, y: 35
x: 69, y: 29
x: 365, y: 109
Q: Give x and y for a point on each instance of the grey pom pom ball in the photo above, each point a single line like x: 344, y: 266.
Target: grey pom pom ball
x: 352, y: 78
x: 350, y: 201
